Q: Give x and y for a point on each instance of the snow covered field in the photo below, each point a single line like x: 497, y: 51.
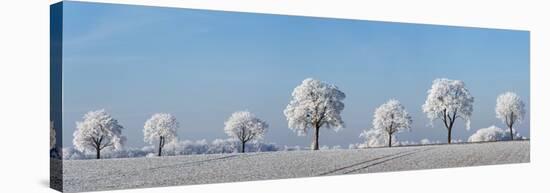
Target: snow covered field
x: 89, y: 175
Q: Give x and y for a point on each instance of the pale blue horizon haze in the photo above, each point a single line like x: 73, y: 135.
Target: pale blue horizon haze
x: 201, y: 66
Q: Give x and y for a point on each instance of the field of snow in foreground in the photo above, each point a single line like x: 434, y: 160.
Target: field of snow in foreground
x: 90, y: 175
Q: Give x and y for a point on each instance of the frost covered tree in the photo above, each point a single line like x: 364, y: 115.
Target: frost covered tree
x: 510, y: 109
x: 222, y: 146
x: 54, y: 151
x: 391, y: 117
x: 315, y: 104
x: 375, y: 138
x: 161, y: 128
x: 98, y: 131
x: 245, y: 126
x: 449, y: 100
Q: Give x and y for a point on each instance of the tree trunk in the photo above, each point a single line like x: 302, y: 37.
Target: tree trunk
x: 510, y: 125
x: 98, y: 153
x: 511, y: 133
x: 160, y: 146
x: 449, y: 135
x: 389, y: 141
x: 315, y: 143
x: 242, y: 146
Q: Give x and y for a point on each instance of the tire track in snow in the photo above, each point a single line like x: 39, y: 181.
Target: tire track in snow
x: 368, y: 163
x: 384, y: 161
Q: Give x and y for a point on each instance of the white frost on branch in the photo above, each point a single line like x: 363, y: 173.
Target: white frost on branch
x: 315, y: 104
x: 375, y: 138
x: 69, y: 153
x: 223, y: 146
x: 161, y: 128
x: 448, y: 100
x: 392, y: 117
x: 510, y: 109
x: 98, y: 131
x: 245, y: 126
x: 389, y: 118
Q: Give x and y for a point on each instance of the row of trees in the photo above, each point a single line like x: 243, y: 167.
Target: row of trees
x: 314, y: 104
x: 99, y: 130
x: 317, y: 104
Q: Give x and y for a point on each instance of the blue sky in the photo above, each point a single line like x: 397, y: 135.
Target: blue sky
x: 202, y: 65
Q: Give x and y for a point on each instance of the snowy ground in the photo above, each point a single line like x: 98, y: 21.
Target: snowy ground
x: 88, y: 175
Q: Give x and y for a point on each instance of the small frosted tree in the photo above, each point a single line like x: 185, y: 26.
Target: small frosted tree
x: 98, y: 131
x: 449, y: 100
x: 375, y: 138
x: 315, y: 104
x: 245, y: 126
x: 391, y: 117
x: 54, y: 151
x: 161, y: 128
x: 491, y: 133
x: 510, y: 109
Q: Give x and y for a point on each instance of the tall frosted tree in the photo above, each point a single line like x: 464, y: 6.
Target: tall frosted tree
x: 447, y: 101
x: 97, y: 131
x: 161, y: 128
x: 510, y: 109
x: 245, y: 126
x: 391, y: 117
x: 315, y: 104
